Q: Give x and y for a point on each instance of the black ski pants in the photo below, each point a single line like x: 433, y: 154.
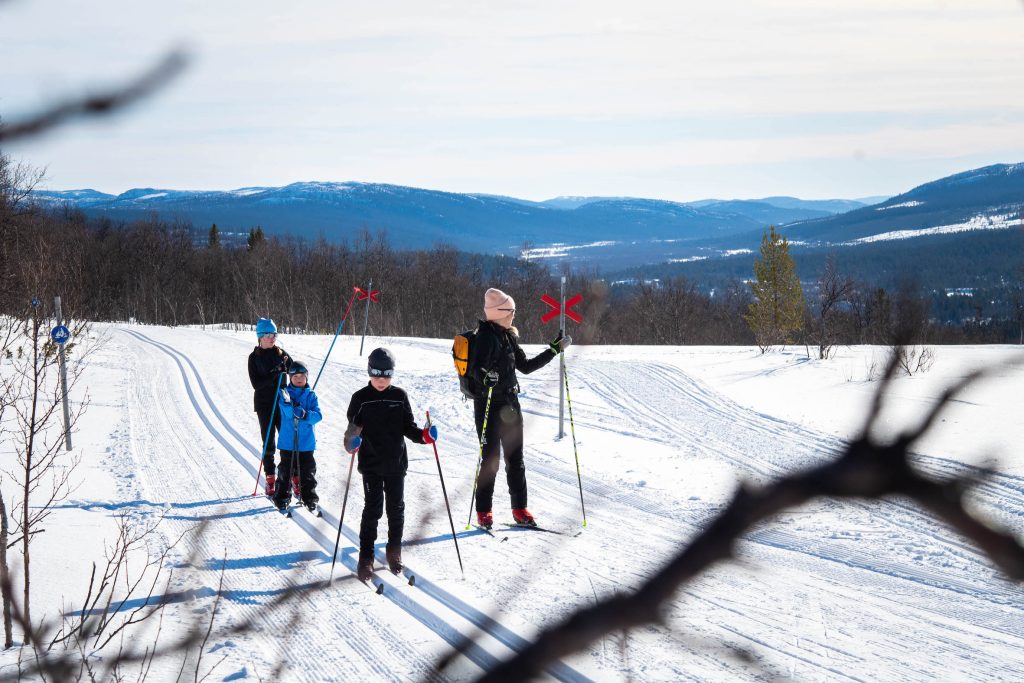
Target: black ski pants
x: 305, y: 470
x: 380, y: 492
x: 263, y: 413
x: 504, y: 433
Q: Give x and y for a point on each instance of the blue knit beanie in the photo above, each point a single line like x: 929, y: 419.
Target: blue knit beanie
x: 265, y: 326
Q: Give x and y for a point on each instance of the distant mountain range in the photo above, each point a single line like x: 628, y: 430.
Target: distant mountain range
x: 606, y: 232
x: 641, y: 229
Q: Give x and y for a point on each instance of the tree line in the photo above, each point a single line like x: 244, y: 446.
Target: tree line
x: 155, y: 271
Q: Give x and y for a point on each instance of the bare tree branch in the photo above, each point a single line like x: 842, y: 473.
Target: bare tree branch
x: 99, y: 104
x: 867, y: 469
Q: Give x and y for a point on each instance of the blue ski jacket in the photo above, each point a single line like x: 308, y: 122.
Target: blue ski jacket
x: 307, y: 437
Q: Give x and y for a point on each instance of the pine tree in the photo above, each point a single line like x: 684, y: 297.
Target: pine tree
x: 778, y: 308
x: 214, y: 240
x: 255, y: 237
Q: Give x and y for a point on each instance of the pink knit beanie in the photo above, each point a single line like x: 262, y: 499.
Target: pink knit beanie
x: 498, y: 305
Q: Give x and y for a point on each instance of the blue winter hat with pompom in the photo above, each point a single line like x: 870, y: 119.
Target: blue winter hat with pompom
x: 265, y: 326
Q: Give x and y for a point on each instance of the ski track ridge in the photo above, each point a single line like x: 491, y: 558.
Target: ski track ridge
x: 432, y: 621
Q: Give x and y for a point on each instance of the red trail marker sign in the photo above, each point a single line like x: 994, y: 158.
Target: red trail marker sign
x: 556, y: 309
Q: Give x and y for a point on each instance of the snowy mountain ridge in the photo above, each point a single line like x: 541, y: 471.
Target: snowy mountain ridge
x: 607, y: 232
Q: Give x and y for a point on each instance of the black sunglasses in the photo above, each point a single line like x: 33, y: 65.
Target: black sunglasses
x: 374, y: 372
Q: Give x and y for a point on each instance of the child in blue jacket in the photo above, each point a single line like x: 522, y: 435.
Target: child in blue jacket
x: 299, y: 409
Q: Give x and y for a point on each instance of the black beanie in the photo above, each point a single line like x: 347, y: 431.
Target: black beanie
x: 381, y: 359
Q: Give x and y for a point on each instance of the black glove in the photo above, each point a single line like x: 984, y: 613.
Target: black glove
x: 491, y: 378
x: 559, y: 344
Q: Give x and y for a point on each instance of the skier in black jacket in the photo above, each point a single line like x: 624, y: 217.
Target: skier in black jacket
x: 497, y: 357
x: 379, y: 420
x: 267, y: 365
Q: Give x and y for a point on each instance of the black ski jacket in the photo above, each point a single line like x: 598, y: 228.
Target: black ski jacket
x: 498, y: 349
x: 384, y: 420
x: 265, y: 366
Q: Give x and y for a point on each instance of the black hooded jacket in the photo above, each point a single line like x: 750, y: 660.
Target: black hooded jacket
x: 383, y: 419
x: 497, y: 349
x: 265, y: 367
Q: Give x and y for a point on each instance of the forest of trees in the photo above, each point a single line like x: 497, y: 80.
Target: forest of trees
x: 157, y: 272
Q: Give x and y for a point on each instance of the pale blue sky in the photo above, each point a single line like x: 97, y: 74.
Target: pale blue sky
x: 532, y: 99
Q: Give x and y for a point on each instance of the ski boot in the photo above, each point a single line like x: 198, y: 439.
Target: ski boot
x: 484, y: 520
x: 270, y: 487
x: 295, y: 487
x: 314, y: 507
x: 394, y: 555
x: 523, y: 517
x: 364, y: 568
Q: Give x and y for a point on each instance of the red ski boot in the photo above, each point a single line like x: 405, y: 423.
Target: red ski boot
x: 484, y: 519
x: 271, y: 483
x: 295, y: 487
x: 523, y: 517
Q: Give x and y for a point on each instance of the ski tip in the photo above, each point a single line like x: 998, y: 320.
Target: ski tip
x: 380, y: 589
x: 412, y: 580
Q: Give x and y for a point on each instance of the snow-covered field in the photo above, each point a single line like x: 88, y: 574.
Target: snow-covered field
x: 833, y: 591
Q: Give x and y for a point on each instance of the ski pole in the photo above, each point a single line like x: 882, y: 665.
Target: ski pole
x: 444, y: 491
x: 266, y: 439
x: 572, y: 428
x: 340, y: 325
x: 366, y: 318
x: 296, y: 466
x: 341, y: 519
x: 483, y: 440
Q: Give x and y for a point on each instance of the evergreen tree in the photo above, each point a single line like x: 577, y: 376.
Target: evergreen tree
x: 778, y: 308
x: 214, y: 240
x: 255, y: 237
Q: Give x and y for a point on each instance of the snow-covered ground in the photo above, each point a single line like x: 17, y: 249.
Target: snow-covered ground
x: 832, y: 591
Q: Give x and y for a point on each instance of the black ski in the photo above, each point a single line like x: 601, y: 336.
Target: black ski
x: 532, y: 527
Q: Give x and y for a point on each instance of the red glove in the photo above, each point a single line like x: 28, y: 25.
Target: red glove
x: 430, y: 434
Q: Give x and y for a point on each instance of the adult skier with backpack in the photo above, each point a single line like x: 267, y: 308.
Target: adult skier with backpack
x: 492, y: 364
x: 268, y: 365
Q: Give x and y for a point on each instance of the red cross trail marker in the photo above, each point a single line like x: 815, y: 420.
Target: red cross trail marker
x: 556, y: 308
x: 372, y: 296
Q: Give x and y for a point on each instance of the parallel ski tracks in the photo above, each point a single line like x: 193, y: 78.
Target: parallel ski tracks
x: 444, y: 614
x: 775, y: 440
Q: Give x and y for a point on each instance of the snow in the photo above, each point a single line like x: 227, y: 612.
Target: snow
x: 860, y: 590
x: 151, y: 196
x: 979, y: 222
x: 559, y: 250
x: 899, y: 206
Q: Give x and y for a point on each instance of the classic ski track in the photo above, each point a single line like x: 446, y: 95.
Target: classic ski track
x: 626, y: 393
x: 1002, y: 489
x: 425, y: 615
x: 617, y: 391
x: 779, y: 538
x: 219, y: 537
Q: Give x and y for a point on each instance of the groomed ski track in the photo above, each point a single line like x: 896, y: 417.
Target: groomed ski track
x: 812, y: 588
x: 452, y: 619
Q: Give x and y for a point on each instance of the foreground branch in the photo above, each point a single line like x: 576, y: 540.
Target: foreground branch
x: 98, y: 104
x: 866, y: 469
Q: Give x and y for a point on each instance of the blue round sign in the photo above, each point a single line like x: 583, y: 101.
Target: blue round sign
x: 60, y: 334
